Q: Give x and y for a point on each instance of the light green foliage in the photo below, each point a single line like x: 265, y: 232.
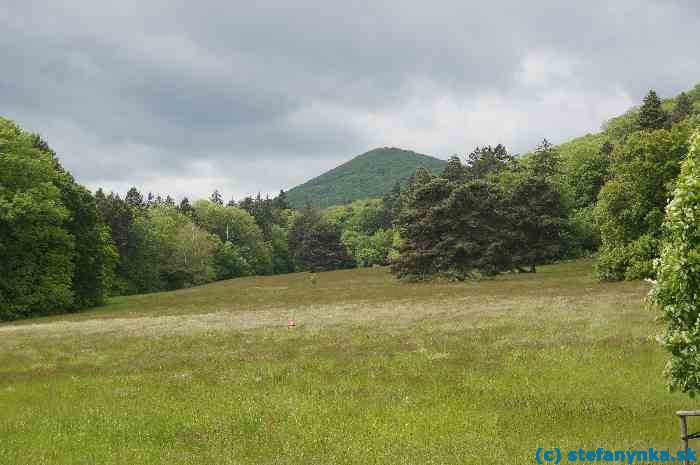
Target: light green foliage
x: 365, y: 216
x: 580, y: 235
x: 232, y: 224
x: 192, y: 261
x: 631, y: 205
x: 363, y: 234
x: 617, y: 129
x: 370, y: 175
x: 677, y: 288
x: 169, y: 251
x: 369, y: 250
x: 585, y: 166
x: 230, y: 262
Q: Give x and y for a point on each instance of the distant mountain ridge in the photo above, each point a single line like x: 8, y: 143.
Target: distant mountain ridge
x: 369, y: 175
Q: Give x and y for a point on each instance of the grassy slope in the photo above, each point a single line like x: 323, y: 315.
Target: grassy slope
x: 376, y: 372
x: 369, y: 175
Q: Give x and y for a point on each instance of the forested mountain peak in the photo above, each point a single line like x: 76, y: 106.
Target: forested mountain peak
x: 369, y: 175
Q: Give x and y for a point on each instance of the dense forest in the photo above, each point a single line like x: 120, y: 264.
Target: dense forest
x: 370, y: 175
x: 489, y: 212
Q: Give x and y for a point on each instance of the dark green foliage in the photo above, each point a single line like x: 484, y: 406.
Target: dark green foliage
x: 545, y: 162
x: 536, y: 219
x: 488, y: 160
x: 682, y: 109
x: 267, y: 212
x: 458, y: 228
x: 391, y: 206
x: 315, y: 243
x: 418, y: 258
x: 535, y: 208
x: 119, y: 215
x: 452, y: 229
x: 185, y: 207
x: 281, y: 202
x: 134, y: 199
x: 454, y: 171
x: 370, y: 175
x: 95, y: 255
x: 216, y: 197
x: 651, y: 114
x: 282, y: 260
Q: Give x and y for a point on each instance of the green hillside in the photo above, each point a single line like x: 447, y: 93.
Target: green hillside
x: 618, y: 128
x: 369, y: 175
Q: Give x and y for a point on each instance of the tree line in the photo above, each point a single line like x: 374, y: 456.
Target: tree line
x: 55, y: 252
x: 492, y: 212
x: 488, y: 212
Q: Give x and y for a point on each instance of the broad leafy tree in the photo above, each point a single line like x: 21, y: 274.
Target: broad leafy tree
x: 56, y: 253
x: 678, y: 283
x: 631, y: 205
x: 234, y: 225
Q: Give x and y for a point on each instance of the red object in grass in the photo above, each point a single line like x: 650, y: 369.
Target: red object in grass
x: 291, y: 324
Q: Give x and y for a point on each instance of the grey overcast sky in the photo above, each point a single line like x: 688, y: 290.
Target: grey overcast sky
x: 182, y: 97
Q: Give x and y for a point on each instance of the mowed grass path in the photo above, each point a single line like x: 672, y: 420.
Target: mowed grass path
x: 376, y: 372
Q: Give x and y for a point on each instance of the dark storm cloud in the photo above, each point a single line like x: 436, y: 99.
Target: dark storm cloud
x: 245, y: 96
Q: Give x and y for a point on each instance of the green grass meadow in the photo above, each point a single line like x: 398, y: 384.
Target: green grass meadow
x: 375, y: 372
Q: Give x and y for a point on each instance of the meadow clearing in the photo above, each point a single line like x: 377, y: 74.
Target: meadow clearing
x: 376, y: 372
